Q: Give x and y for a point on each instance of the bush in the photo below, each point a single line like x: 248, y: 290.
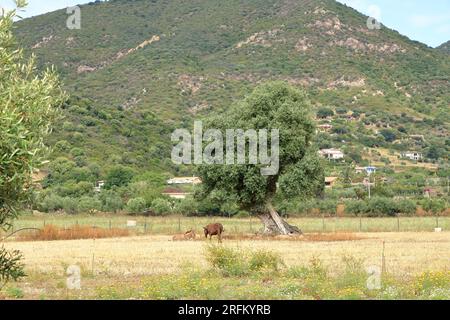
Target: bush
x: 161, y: 207
x: 70, y: 205
x: 325, y: 113
x: 51, y: 203
x: 119, y: 176
x: 382, y: 206
x: 136, y: 205
x: 356, y: 207
x: 187, y: 207
x: 433, y: 206
x: 88, y: 204
x: 377, y: 207
x: 264, y: 260
x: 230, y: 262
x: 111, y: 201
x: 234, y: 262
x: 328, y: 206
x: 301, y: 207
x: 407, y: 207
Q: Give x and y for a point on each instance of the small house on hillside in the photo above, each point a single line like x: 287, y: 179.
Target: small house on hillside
x: 99, y: 186
x: 175, y: 193
x: 184, y: 180
x: 332, y: 154
x: 412, y: 155
x: 366, y: 170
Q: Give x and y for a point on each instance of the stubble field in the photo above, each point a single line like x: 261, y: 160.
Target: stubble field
x: 316, y: 266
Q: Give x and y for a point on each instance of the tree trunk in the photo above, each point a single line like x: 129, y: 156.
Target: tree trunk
x: 275, y: 225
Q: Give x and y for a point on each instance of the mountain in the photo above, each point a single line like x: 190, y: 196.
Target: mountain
x: 445, y: 47
x: 137, y: 70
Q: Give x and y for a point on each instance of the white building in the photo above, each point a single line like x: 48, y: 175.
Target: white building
x: 365, y: 170
x: 184, y: 180
x: 99, y: 186
x: 332, y: 154
x: 412, y: 155
x: 176, y: 194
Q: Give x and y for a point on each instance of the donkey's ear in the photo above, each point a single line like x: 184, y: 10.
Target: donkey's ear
x: 204, y: 228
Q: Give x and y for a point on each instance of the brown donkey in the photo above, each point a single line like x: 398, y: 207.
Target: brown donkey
x: 214, y: 229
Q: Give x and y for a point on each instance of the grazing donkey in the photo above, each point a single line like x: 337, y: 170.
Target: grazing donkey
x: 214, y: 229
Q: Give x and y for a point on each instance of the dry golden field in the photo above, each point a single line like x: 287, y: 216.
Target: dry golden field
x: 140, y: 265
x: 405, y: 253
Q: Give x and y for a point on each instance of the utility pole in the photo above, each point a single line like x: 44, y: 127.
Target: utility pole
x: 369, y: 171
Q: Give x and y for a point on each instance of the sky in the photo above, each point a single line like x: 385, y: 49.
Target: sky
x: 424, y: 21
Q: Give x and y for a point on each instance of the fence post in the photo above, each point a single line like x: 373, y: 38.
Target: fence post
x: 437, y: 221
x: 323, y: 222
x: 360, y: 224
x: 110, y: 226
x: 398, y: 223
x: 93, y: 256
x: 179, y: 223
x: 383, y: 259
x: 145, y: 226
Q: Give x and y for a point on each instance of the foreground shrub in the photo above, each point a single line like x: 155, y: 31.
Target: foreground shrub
x: 11, y: 266
x: 354, y: 275
x: 264, y: 260
x: 234, y: 262
x: 433, y: 285
x: 230, y: 262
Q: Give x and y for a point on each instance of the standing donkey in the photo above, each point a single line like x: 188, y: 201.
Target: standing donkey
x: 214, y: 229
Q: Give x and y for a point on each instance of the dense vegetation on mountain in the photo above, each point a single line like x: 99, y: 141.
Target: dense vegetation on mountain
x: 445, y: 47
x: 137, y: 70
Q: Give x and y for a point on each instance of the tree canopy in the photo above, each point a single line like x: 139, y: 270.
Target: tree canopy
x: 28, y: 106
x: 274, y: 105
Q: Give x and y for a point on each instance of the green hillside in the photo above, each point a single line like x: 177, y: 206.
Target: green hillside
x: 445, y: 47
x: 139, y: 69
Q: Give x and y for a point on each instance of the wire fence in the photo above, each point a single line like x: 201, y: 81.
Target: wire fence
x: 179, y: 224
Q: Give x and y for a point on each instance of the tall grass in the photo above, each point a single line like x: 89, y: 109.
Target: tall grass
x: 52, y: 233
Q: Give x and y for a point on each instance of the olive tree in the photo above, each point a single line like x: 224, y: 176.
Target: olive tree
x: 271, y: 106
x: 28, y: 107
